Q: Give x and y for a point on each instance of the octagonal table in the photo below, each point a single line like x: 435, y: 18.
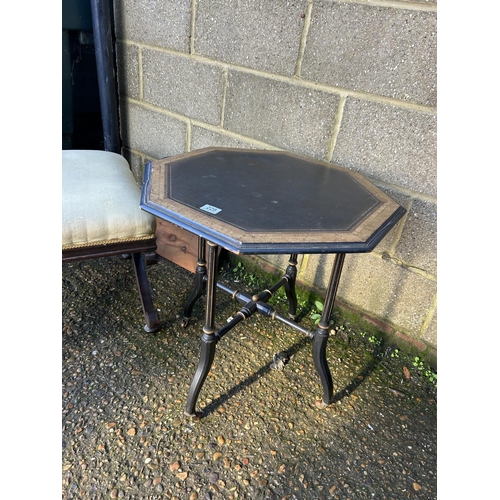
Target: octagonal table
x: 265, y: 202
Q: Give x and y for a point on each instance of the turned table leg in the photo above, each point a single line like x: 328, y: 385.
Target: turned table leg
x: 291, y: 273
x: 199, y: 283
x: 322, y: 332
x: 208, y: 339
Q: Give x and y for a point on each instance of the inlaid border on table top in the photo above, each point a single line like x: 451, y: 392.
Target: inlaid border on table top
x: 363, y: 237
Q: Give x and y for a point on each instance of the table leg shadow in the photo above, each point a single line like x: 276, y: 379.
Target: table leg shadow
x: 298, y: 346
x: 244, y: 384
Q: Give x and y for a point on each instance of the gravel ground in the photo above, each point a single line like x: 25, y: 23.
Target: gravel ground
x: 125, y: 434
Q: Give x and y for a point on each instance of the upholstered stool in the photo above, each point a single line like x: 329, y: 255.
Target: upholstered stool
x: 101, y: 216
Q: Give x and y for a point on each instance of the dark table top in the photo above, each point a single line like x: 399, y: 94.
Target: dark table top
x: 254, y: 201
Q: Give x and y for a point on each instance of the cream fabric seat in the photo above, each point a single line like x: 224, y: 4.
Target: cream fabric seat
x: 100, y: 200
x: 101, y: 216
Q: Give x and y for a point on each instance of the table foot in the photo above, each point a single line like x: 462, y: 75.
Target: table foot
x: 196, y: 415
x: 320, y: 404
x: 149, y: 329
x: 208, y: 343
x: 319, y: 356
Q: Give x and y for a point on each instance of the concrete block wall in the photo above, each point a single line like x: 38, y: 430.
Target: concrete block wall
x: 349, y: 82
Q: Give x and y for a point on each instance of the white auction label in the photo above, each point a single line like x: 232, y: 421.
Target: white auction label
x: 211, y: 209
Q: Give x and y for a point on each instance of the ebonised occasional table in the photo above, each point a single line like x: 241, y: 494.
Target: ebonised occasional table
x: 265, y: 202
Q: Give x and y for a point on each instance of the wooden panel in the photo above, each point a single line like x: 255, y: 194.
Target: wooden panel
x: 176, y: 245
